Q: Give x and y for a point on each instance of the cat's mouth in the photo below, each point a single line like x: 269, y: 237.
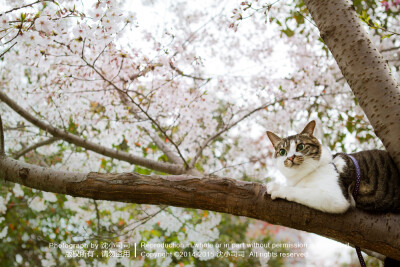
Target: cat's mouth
x: 293, y: 161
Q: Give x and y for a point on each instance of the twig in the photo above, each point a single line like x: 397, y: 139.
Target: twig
x: 8, y: 49
x: 28, y: 5
x: 97, y: 216
x: 312, y: 23
x: 2, y: 153
x: 188, y: 40
x: 228, y: 167
x: 24, y: 151
x: 187, y: 75
x: 390, y: 49
x: 143, y: 220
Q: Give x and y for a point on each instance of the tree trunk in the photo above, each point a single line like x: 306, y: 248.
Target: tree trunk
x: 375, y: 232
x: 363, y: 67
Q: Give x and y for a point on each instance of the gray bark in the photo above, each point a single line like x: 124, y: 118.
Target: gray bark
x: 363, y: 66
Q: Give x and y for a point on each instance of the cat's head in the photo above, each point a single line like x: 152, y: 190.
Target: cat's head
x: 299, y: 154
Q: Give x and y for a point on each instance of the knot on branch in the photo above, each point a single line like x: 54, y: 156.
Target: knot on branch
x: 23, y: 174
x: 326, y: 32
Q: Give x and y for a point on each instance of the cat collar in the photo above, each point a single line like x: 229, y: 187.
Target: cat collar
x: 355, y: 193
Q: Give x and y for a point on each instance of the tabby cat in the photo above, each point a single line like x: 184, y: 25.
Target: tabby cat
x: 320, y: 181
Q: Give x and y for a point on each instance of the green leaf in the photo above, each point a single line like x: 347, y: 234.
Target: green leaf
x: 123, y: 145
x: 141, y: 170
x: 72, y: 126
x: 23, y: 16
x: 349, y: 127
x: 288, y: 32
x: 387, y: 36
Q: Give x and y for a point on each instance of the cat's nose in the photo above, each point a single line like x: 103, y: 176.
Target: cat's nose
x: 291, y: 158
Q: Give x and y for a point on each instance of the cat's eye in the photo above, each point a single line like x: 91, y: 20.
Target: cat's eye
x: 300, y: 147
x: 282, y: 152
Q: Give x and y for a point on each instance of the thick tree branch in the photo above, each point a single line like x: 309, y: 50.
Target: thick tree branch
x: 363, y: 67
x: 378, y: 233
x: 76, y: 140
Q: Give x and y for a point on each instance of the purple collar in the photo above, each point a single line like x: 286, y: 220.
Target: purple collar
x: 355, y: 193
x: 358, y: 176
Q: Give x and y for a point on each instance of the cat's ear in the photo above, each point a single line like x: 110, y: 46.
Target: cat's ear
x: 309, y: 129
x: 273, y: 138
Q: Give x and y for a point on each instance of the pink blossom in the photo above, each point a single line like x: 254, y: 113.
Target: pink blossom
x: 385, y: 4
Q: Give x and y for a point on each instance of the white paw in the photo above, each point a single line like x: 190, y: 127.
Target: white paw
x: 271, y: 186
x: 275, y: 190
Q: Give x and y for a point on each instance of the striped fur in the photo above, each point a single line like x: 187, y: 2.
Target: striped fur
x: 380, y: 181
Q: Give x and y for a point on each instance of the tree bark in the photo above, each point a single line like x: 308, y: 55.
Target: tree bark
x: 370, y: 231
x: 363, y: 67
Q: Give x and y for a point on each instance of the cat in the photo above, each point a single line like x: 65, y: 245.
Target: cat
x: 324, y: 182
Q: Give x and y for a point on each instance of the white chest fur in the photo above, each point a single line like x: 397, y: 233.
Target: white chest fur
x: 314, y: 183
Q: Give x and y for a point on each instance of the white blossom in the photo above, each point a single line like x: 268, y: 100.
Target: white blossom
x: 50, y: 197
x: 3, y: 232
x: 3, y: 203
x: 18, y: 192
x: 37, y: 204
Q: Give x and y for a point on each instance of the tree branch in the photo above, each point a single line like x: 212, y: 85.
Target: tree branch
x: 390, y: 49
x: 78, y: 141
x: 22, y: 152
x: 8, y: 49
x: 378, y: 233
x: 172, y: 157
x: 171, y: 64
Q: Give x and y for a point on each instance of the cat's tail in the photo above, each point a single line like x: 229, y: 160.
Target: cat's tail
x: 389, y: 262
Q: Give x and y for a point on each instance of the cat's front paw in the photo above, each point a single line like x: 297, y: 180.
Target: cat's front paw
x: 275, y: 190
x: 271, y: 186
